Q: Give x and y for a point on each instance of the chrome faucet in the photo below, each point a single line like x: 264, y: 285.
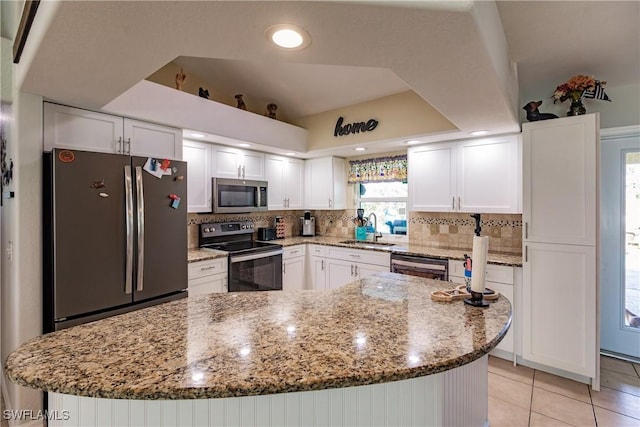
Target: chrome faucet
x: 376, y: 234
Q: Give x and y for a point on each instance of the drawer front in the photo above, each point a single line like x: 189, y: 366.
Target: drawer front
x: 208, y: 285
x: 359, y: 255
x: 318, y: 250
x: 293, y: 252
x: 493, y: 273
x: 207, y: 268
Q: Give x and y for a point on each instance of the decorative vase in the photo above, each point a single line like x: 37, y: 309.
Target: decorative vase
x: 576, y: 108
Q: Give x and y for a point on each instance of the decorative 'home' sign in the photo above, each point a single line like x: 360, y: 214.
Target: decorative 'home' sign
x: 356, y: 127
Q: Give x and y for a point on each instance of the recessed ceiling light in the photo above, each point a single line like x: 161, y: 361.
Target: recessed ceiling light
x: 412, y: 141
x: 244, y: 144
x: 290, y: 154
x: 198, y: 135
x: 288, y: 36
x: 360, y: 149
x: 479, y: 132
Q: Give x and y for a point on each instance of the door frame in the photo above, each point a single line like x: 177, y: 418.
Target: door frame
x: 612, y: 134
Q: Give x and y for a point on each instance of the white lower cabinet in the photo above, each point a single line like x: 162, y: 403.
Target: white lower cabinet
x: 293, y: 260
x: 317, y: 267
x: 207, y: 277
x: 346, y: 265
x: 559, y: 307
x: 500, y: 278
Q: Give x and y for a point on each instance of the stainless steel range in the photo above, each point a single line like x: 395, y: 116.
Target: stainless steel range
x: 253, y: 266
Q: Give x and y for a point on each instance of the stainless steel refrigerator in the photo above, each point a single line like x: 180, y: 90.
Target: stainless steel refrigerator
x: 115, y: 235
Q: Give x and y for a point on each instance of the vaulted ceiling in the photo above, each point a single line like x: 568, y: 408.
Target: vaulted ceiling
x: 465, y: 58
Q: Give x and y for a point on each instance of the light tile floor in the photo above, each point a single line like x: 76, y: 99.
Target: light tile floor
x: 521, y: 396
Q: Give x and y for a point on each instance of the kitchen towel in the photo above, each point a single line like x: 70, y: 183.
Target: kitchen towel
x: 479, y: 260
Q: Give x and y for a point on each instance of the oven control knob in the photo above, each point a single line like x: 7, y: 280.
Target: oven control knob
x: 206, y: 230
x: 251, y: 226
x: 244, y: 226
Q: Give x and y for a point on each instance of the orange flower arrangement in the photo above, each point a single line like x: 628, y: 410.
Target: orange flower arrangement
x: 574, y: 88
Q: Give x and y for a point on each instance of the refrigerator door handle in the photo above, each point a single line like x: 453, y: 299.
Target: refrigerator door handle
x: 140, y: 211
x: 128, y: 189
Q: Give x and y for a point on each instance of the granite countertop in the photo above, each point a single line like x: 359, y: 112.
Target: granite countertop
x: 197, y: 254
x: 498, y: 258
x: 378, y: 329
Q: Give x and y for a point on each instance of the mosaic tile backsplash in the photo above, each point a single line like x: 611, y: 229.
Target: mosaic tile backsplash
x: 443, y: 230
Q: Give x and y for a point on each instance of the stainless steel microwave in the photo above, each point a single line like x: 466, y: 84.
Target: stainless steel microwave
x: 238, y: 195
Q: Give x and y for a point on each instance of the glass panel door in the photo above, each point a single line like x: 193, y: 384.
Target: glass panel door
x: 632, y: 238
x: 620, y: 246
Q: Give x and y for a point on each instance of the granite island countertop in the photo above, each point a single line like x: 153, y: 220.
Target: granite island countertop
x: 378, y: 329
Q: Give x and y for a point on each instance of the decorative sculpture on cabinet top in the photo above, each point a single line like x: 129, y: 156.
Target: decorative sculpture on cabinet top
x: 181, y: 77
x: 241, y: 104
x: 533, y: 115
x: 271, y: 110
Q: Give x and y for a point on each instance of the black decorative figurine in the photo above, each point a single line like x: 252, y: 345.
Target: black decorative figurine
x: 271, y: 110
x: 241, y: 104
x: 203, y: 93
x: 533, y: 115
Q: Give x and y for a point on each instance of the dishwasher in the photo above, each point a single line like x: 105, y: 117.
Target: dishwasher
x: 415, y: 265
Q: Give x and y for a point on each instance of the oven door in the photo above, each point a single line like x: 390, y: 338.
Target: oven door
x: 427, y: 270
x: 256, y: 272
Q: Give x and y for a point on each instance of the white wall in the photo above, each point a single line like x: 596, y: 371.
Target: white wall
x: 21, y: 249
x: 623, y: 110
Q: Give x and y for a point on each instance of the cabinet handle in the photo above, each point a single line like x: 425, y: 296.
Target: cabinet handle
x: 119, y: 147
x: 288, y: 202
x: 211, y: 267
x: 356, y: 271
x: 243, y: 172
x: 329, y: 203
x: 354, y: 256
x: 129, y: 145
x: 351, y: 270
x: 293, y: 252
x: 284, y: 203
x: 458, y: 202
x: 526, y: 230
x: 284, y: 268
x: 239, y: 171
x: 322, y: 265
x: 526, y: 253
x: 453, y: 203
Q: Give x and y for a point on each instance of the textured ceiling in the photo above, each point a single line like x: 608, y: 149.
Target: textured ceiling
x: 470, y: 60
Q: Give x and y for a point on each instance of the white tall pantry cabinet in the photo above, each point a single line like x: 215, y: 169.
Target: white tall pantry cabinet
x: 560, y: 312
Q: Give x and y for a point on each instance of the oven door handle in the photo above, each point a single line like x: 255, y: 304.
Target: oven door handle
x: 419, y: 265
x: 242, y: 258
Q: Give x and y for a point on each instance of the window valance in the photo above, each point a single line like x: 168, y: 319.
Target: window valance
x: 381, y: 169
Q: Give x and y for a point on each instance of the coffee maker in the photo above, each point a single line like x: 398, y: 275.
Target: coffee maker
x: 307, y: 225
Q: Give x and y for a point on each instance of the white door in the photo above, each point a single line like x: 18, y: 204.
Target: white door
x: 620, y: 245
x: 274, y: 175
x: 317, y: 272
x: 319, y: 183
x: 293, y: 274
x: 148, y: 139
x: 224, y: 162
x: 339, y: 273
x: 432, y: 178
x: 489, y: 175
x: 294, y: 183
x: 252, y: 165
x: 198, y: 155
x: 74, y: 128
x: 559, y: 174
x: 559, y: 307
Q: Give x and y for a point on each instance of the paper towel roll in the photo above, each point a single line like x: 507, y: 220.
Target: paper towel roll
x: 479, y: 262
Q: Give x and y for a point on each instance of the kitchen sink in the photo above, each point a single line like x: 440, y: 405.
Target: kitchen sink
x: 365, y: 243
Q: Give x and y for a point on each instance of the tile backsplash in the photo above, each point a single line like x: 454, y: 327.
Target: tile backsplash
x: 456, y: 230
x: 450, y: 230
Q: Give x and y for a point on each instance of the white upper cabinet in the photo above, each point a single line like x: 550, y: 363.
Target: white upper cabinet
x: 432, y: 178
x: 148, y: 139
x: 560, y: 180
x: 286, y: 182
x: 466, y: 176
x: 229, y: 162
x: 78, y: 129
x: 325, y: 183
x: 198, y: 157
x: 489, y: 175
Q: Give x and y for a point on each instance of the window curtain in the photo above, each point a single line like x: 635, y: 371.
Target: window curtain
x: 381, y: 169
